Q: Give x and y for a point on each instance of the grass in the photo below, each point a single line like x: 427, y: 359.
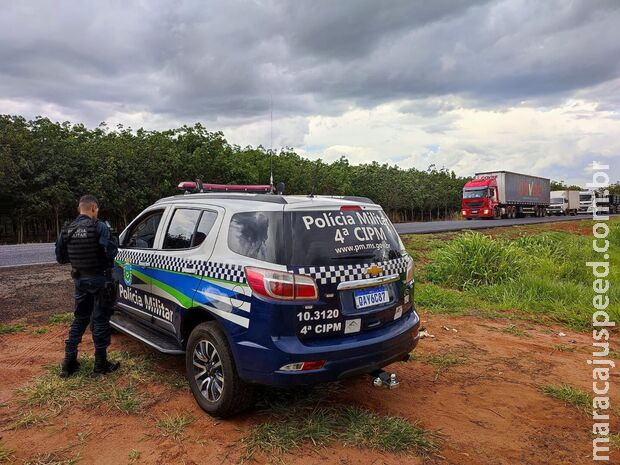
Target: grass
x: 11, y: 329
x: 51, y: 459
x: 300, y: 427
x: 569, y: 395
x: 174, y: 426
x: 529, y: 273
x: 352, y: 426
x: 29, y: 419
x: 385, y: 433
x: 119, y: 391
x: 6, y: 454
x: 60, y: 318
x: 134, y: 456
x: 124, y: 398
x: 441, y: 362
x: 474, y: 259
x: 564, y: 348
x: 39, y: 331
x: 613, y: 353
x: 514, y: 330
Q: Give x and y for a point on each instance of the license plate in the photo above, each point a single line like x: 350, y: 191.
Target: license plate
x: 474, y: 211
x: 371, y: 297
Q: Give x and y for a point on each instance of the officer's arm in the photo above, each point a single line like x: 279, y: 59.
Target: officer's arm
x: 107, y: 241
x: 62, y: 255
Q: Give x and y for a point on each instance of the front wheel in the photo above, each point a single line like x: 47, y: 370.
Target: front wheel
x: 212, y: 374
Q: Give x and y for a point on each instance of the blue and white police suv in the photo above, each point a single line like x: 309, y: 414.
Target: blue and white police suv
x: 260, y: 288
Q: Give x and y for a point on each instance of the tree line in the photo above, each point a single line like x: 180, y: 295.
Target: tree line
x: 45, y: 166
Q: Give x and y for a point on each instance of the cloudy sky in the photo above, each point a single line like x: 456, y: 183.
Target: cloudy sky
x: 532, y: 86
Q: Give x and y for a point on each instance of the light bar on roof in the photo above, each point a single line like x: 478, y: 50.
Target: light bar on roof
x: 191, y: 186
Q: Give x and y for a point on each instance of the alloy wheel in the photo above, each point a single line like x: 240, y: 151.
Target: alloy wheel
x: 208, y: 371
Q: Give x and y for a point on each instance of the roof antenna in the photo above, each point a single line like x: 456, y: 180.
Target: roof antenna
x: 271, y: 140
x: 315, y: 180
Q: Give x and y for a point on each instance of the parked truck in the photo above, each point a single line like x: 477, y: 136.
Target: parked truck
x: 614, y: 203
x: 503, y: 194
x: 586, y: 201
x: 563, y: 203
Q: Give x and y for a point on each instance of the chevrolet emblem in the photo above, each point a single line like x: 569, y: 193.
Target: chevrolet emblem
x: 374, y: 270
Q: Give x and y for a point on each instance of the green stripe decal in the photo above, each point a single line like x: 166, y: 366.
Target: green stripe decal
x: 184, y: 300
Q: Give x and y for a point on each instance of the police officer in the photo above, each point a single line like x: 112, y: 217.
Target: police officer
x: 89, y: 246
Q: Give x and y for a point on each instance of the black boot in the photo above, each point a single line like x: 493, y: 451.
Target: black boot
x: 69, y: 365
x: 103, y: 366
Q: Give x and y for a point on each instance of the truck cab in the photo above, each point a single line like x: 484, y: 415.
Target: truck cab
x: 586, y: 202
x: 504, y: 194
x: 480, y: 199
x: 558, y: 206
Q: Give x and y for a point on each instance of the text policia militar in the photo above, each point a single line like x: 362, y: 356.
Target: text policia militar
x: 601, y: 364
x: 368, y: 224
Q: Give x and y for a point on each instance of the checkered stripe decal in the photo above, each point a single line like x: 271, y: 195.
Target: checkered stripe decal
x: 336, y: 274
x: 223, y: 271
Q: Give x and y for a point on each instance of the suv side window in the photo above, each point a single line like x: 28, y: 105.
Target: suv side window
x: 207, y: 220
x: 257, y: 235
x: 181, y: 229
x: 142, y: 234
x: 188, y: 228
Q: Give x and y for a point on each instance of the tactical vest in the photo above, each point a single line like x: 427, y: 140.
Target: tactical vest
x: 82, y: 240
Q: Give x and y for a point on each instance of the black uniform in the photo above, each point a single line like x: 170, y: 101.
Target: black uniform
x: 90, y: 248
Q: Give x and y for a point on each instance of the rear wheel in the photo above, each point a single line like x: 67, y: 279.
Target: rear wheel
x: 212, y: 374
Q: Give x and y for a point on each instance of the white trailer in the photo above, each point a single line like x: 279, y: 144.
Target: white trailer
x: 563, y: 203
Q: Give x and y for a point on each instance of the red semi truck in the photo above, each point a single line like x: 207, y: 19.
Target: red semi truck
x: 502, y: 194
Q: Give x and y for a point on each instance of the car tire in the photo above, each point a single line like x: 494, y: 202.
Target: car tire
x: 212, y: 374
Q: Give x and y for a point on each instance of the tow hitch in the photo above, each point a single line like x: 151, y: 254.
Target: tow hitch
x: 384, y: 379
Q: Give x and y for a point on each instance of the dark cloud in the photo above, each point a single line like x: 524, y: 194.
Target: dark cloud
x: 209, y: 60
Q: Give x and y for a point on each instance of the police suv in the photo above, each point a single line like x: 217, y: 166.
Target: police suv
x: 260, y: 288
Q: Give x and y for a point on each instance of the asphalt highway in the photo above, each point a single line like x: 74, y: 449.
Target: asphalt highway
x: 42, y: 253
x: 445, y: 226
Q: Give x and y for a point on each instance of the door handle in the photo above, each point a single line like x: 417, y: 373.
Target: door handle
x: 144, y: 263
x: 189, y: 270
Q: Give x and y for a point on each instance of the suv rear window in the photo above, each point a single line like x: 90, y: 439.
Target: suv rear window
x: 314, y: 238
x: 341, y: 238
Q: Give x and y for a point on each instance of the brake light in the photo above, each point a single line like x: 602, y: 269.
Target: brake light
x: 350, y: 208
x: 281, y: 285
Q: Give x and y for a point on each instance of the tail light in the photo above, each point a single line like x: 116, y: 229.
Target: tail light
x: 281, y: 285
x: 351, y: 208
x: 409, y: 272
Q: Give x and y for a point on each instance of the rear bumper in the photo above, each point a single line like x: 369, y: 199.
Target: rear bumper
x: 344, y: 356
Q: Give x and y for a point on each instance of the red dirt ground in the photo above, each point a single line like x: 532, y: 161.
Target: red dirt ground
x: 488, y: 410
